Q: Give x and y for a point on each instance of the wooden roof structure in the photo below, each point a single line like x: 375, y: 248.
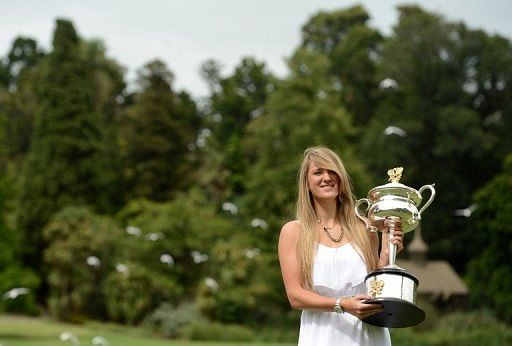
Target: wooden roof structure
x: 438, y: 280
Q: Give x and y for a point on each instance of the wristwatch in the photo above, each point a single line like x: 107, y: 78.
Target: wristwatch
x: 337, y: 307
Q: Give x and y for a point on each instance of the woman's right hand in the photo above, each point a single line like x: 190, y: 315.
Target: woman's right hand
x: 355, y: 306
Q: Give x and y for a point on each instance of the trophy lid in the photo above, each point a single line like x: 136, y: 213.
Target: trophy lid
x: 394, y: 188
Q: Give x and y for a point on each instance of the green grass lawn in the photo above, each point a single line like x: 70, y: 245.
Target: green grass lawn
x: 473, y: 329
x: 26, y: 331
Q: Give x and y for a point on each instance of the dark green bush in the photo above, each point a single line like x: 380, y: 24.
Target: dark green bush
x: 73, y: 235
x: 132, y: 294
x: 15, y: 276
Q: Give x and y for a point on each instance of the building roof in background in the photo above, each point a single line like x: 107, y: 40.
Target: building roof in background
x: 437, y: 278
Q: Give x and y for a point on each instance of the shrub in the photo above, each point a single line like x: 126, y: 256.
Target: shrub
x: 132, y: 294
x: 168, y: 320
x: 16, y: 276
x: 74, y: 234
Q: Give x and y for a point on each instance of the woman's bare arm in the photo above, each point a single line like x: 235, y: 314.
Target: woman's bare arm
x: 301, y: 298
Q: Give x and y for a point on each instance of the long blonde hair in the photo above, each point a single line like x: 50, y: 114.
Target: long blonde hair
x: 352, y: 227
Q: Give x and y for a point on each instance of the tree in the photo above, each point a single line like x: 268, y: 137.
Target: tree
x: 354, y: 50
x: 446, y: 141
x: 490, y: 272
x: 23, y: 55
x: 12, y: 273
x: 234, y: 101
x: 156, y: 132
x: 21, y: 66
x: 67, y: 162
x: 305, y: 110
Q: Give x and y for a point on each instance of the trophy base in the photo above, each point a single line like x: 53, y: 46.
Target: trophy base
x: 398, y: 313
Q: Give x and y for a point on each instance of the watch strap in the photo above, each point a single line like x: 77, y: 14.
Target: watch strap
x: 337, y: 306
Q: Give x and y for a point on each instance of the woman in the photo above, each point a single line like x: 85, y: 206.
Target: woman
x: 325, y: 255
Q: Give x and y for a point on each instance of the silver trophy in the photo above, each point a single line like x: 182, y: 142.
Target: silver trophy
x: 392, y: 286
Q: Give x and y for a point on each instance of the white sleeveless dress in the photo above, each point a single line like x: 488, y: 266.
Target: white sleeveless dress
x: 338, y: 272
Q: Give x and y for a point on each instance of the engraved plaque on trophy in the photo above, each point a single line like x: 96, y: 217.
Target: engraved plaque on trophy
x: 393, y: 287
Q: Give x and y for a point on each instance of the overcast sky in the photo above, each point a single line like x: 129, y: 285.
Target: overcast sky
x: 186, y: 33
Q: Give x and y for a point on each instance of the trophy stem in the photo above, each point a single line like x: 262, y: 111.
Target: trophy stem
x: 392, y: 248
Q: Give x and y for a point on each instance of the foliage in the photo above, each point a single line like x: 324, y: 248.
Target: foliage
x: 67, y: 163
x: 155, y: 133
x: 489, y: 273
x: 186, y: 229
x: 304, y: 110
x: 169, y: 321
x: 23, y: 55
x: 20, y: 105
x: 449, y: 139
x: 12, y: 274
x: 353, y: 49
x: 203, y: 188
x: 238, y: 289
x: 234, y: 101
x: 82, y: 252
x: 131, y: 293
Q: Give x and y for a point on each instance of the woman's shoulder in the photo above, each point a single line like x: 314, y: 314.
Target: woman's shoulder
x: 289, y: 234
x: 291, y: 228
x: 292, y: 224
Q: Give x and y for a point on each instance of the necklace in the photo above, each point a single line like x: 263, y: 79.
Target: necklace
x: 328, y: 231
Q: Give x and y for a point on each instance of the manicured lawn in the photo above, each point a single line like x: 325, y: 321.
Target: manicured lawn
x: 26, y: 331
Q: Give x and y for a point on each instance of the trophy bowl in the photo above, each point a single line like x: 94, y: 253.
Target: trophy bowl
x: 392, y: 286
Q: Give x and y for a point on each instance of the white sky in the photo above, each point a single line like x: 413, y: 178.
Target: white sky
x: 186, y: 33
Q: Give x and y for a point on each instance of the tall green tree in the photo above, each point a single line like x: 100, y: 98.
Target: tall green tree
x: 156, y: 132
x: 353, y: 49
x: 490, y: 271
x: 432, y: 66
x: 234, y: 101
x: 68, y: 162
x: 19, y: 104
x: 24, y: 54
x: 305, y: 110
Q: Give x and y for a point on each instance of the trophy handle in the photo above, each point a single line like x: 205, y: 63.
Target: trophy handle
x: 362, y: 218
x: 431, y: 199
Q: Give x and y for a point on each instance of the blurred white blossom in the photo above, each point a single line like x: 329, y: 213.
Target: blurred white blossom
x: 251, y: 253
x: 388, y: 83
x: 231, y: 207
x: 68, y: 336
x: 100, y: 340
x: 122, y: 268
x: 259, y: 223
x: 211, y: 284
x: 93, y: 261
x: 14, y: 293
x: 133, y: 231
x: 167, y: 259
x: 395, y: 130
x: 198, y: 257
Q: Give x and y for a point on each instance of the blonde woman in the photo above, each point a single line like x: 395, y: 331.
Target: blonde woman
x: 325, y: 255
